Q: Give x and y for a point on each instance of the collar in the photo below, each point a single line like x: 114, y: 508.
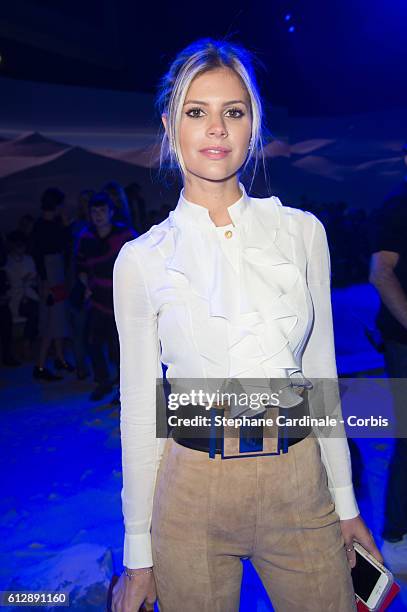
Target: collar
x: 198, y: 215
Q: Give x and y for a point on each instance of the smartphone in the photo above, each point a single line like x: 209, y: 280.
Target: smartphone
x: 371, y: 580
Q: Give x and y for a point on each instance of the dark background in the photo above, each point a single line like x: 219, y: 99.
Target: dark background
x: 342, y: 57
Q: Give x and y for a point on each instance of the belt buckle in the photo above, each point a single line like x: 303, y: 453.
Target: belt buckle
x: 232, y: 443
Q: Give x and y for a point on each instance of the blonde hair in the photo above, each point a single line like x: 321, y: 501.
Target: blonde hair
x: 202, y: 56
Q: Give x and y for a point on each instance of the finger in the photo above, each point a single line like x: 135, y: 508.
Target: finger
x: 377, y: 554
x: 150, y: 600
x: 115, y: 606
x: 371, y: 547
x: 152, y: 595
x: 367, y: 541
x: 350, y: 553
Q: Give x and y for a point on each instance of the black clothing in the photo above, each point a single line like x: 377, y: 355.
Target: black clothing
x: 390, y: 234
x: 48, y: 237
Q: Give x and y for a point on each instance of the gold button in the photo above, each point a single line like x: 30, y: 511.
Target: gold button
x: 228, y: 234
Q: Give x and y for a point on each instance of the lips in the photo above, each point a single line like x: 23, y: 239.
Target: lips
x: 216, y: 149
x: 215, y: 152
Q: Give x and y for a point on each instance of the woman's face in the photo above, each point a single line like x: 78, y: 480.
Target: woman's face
x: 216, y: 113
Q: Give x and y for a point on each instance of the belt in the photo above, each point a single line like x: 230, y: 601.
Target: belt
x: 247, y: 440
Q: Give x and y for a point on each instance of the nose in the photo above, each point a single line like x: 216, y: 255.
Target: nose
x: 217, y: 128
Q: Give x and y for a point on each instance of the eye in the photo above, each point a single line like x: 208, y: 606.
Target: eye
x: 193, y: 110
x: 236, y: 110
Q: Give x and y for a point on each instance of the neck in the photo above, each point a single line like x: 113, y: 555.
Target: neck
x: 216, y: 196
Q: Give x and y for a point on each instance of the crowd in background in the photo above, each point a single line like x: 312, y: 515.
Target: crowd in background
x: 56, y: 283
x: 56, y: 276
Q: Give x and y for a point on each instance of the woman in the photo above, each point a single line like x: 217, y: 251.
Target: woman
x: 228, y: 286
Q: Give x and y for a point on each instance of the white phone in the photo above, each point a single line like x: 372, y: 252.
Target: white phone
x: 371, y: 580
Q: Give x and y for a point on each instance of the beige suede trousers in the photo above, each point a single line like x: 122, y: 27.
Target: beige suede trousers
x: 276, y: 510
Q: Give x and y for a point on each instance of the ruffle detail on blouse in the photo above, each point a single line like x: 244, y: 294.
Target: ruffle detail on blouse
x: 269, y: 308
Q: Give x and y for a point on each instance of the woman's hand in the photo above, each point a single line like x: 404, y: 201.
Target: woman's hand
x: 355, y: 529
x: 129, y: 594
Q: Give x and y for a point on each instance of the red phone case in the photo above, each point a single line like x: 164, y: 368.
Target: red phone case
x: 395, y: 588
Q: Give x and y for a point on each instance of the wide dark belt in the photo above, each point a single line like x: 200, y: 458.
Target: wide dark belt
x: 246, y: 440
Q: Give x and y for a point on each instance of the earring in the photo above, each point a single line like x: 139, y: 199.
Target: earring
x: 251, y: 143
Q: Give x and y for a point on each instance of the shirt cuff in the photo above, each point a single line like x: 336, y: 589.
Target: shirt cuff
x: 346, y: 505
x: 137, y: 550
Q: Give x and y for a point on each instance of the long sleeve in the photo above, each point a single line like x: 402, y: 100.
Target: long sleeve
x: 140, y: 366
x: 319, y: 363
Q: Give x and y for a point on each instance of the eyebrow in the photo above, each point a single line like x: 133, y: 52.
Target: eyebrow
x: 206, y: 103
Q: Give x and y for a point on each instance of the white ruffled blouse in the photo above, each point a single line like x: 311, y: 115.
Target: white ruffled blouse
x: 246, y: 300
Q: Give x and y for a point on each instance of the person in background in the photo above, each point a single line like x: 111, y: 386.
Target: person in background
x: 121, y: 213
x: 24, y: 298
x: 6, y: 320
x: 76, y: 303
x: 49, y: 247
x: 97, y: 251
x: 388, y: 273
